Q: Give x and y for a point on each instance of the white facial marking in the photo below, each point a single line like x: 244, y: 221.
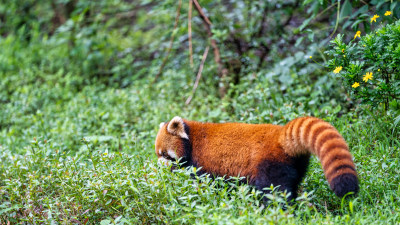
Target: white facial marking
x: 161, y: 125
x: 159, y: 151
x: 163, y: 161
x: 172, y: 154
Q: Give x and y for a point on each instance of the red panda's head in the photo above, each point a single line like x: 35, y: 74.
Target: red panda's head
x: 169, y: 145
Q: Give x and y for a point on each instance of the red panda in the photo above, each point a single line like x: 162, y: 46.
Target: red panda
x: 263, y: 153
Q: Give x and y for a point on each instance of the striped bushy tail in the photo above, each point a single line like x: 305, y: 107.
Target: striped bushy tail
x: 312, y: 135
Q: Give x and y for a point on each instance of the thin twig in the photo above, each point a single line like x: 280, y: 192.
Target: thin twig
x: 337, y: 19
x: 178, y: 12
x: 263, y: 18
x: 202, y: 15
x: 196, y: 83
x: 207, y: 25
x: 190, y: 33
x: 222, y: 72
x: 324, y: 11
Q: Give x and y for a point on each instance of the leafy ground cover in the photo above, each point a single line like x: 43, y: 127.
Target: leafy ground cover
x: 85, y: 155
x: 79, y: 113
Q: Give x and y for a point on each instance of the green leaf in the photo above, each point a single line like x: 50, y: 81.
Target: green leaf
x: 299, y: 41
x: 5, y: 209
x: 337, y: 109
x: 393, y: 6
x: 308, y: 2
x: 396, y: 121
x: 346, y: 9
x: 351, y: 206
x: 305, y: 23
x: 100, y: 138
x: 105, y: 222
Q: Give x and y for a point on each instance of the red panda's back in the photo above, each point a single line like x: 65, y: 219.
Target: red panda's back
x: 234, y: 148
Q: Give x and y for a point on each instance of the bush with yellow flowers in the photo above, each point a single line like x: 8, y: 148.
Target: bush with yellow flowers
x: 369, y: 65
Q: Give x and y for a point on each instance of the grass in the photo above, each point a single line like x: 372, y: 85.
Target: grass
x: 74, y: 150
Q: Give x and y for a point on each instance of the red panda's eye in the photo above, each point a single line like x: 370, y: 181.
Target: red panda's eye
x: 166, y: 156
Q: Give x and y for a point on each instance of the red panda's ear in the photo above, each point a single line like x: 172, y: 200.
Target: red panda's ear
x: 176, y: 127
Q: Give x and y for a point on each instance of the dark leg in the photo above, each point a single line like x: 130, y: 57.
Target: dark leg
x: 285, y: 175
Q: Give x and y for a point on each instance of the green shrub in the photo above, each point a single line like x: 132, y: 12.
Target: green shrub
x: 369, y: 65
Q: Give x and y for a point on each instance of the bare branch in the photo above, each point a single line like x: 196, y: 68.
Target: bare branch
x: 178, y: 12
x: 202, y: 15
x: 222, y: 72
x: 190, y: 33
x: 196, y: 83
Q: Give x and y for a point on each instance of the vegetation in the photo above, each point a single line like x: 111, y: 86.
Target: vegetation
x: 80, y: 106
x: 376, y: 58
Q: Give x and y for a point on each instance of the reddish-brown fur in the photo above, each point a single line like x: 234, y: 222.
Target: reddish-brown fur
x: 237, y: 149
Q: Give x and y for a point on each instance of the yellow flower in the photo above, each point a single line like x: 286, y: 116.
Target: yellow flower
x: 355, y: 85
x: 358, y: 34
x: 337, y: 69
x: 310, y: 57
x: 379, y: 70
x: 342, y: 50
x: 388, y: 13
x: 367, y: 76
x: 373, y: 19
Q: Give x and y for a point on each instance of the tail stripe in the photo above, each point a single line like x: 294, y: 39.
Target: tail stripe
x: 332, y: 150
x: 324, y: 137
x: 318, y: 132
x: 295, y: 134
x: 333, y: 172
x: 340, y: 159
x: 335, y: 154
x: 312, y: 136
x: 305, y: 132
x: 344, y: 166
x: 288, y: 133
x: 337, y: 173
x: 337, y: 163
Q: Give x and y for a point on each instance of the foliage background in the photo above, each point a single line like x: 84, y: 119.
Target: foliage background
x: 80, y: 108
